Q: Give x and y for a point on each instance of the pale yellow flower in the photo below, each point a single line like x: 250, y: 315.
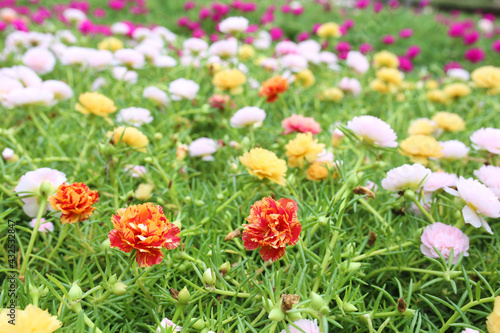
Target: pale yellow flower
x: 231, y: 80
x: 95, y: 103
x: 421, y: 147
x: 263, y: 163
x: 30, y: 320
x: 303, y: 147
x: 448, y: 121
x: 131, y: 136
x: 329, y: 29
x: 385, y: 59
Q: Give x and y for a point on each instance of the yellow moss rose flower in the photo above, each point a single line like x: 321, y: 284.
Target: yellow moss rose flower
x: 385, y: 59
x: 487, y: 77
x: 432, y: 84
x: 144, y: 192
x: 390, y: 75
x: 493, y: 320
x: 246, y: 51
x: 305, y: 78
x: 327, y: 30
x: 437, y: 96
x: 422, y: 126
x: 421, y: 147
x: 111, y: 44
x: 32, y: 320
x: 332, y: 94
x: 303, y: 147
x: 95, y: 103
x: 448, y: 121
x: 319, y: 170
x: 456, y: 90
x: 382, y: 87
x: 263, y: 163
x: 131, y: 136
x: 231, y: 80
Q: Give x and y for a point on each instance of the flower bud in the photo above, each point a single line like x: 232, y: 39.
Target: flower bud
x: 353, y: 266
x: 199, y: 324
x: 105, y: 244
x: 323, y: 220
x: 148, y: 160
x: 112, y: 279
x: 409, y: 313
x: 184, y: 296
x: 276, y: 314
x: 234, y: 167
x: 199, y: 203
x: 178, y: 224
x: 46, y: 189
x: 220, y: 196
x: 316, y: 301
x: 158, y: 136
x: 188, y: 199
x: 119, y: 288
x: 294, y: 316
x: 348, y: 307
x: 225, y: 268
x: 324, y: 310
x: 209, y: 277
x: 75, y: 293
x: 267, y: 303
x: 409, y: 195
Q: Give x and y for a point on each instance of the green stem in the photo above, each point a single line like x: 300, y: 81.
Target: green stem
x: 62, y: 235
x: 34, y: 233
x: 231, y: 293
x: 381, y: 251
x: 463, y: 309
x: 423, y: 210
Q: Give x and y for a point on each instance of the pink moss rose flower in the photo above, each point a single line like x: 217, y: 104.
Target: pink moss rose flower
x: 303, y: 325
x: 479, y: 201
x: 406, y: 177
x: 489, y: 175
x: 453, y: 149
x: 442, y: 237
x: 373, y: 131
x: 439, y: 180
x: 486, y: 139
x: 44, y: 226
x: 301, y: 124
x: 475, y: 55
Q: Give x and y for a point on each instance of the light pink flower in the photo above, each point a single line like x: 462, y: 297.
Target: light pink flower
x: 225, y: 48
x: 166, y: 323
x: 489, y: 175
x: 453, y: 149
x: 164, y: 61
x: 204, y: 148
x: 286, y: 47
x: 233, y: 25
x: 442, y: 237
x: 469, y: 330
x: 357, y: 62
x: 328, y: 58
x: 479, y: 201
x: 183, y: 89
x: 23, y: 74
x: 248, y: 116
x: 324, y: 156
x: 135, y: 171
x: 28, y: 96
x: 350, y: 85
x: 40, y: 60
x: 130, y: 57
x: 439, y: 180
x: 487, y: 138
x: 7, y: 154
x: 29, y: 186
x: 134, y: 116
x: 299, y: 123
x: 294, y: 62
x: 98, y: 59
x: 61, y: 90
x: 304, y: 325
x: 44, y: 226
x: 123, y: 74
x: 373, y: 131
x: 406, y: 177
x: 155, y: 94
x: 195, y: 45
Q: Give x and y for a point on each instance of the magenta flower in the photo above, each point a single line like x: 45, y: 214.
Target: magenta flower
x: 406, y: 33
x: 388, y: 39
x: 495, y: 46
x: 116, y: 4
x: 405, y: 64
x: 189, y: 5
x: 286, y: 8
x: 456, y: 30
x: 471, y: 37
x: 315, y: 27
x: 252, y: 28
x: 204, y: 13
x: 475, y: 55
x: 394, y: 4
x: 361, y: 4
x: 442, y: 237
x: 451, y: 65
x: 99, y: 12
x: 413, y: 51
x: 276, y: 33
x: 198, y: 33
x: 366, y: 48
x: 304, y: 35
x: 267, y: 17
x: 183, y: 21
x: 378, y: 6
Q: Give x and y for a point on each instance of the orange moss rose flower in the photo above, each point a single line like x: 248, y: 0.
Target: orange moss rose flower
x: 74, y: 202
x: 146, y: 229
x: 272, y: 87
x: 272, y: 226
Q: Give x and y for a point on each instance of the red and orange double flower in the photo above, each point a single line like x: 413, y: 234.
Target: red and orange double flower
x: 146, y: 229
x: 74, y: 202
x: 272, y: 226
x: 273, y: 87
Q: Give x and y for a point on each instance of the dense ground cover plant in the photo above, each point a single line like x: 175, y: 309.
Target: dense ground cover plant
x: 251, y: 167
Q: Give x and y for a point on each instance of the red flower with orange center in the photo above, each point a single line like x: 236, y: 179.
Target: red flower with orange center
x: 146, y: 229
x: 273, y: 226
x: 74, y: 202
x: 272, y: 87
